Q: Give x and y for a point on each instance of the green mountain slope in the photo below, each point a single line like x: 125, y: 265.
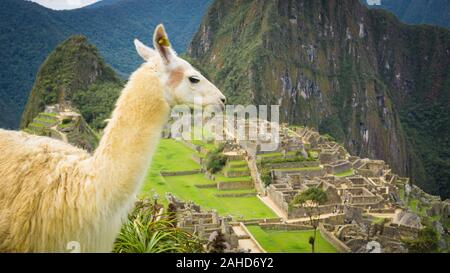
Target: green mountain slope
x: 375, y: 84
x: 29, y: 32
x: 433, y: 12
x: 74, y: 73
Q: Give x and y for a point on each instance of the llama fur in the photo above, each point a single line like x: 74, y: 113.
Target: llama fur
x: 52, y: 194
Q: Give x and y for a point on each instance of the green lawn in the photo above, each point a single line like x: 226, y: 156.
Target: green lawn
x: 344, y: 174
x: 172, y: 155
x: 274, y: 241
x: 221, y: 178
x: 237, y: 164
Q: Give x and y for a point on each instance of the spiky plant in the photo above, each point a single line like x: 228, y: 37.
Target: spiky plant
x: 148, y: 231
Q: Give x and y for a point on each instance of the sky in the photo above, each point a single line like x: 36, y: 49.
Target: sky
x: 64, y: 4
x: 374, y: 2
x: 74, y: 4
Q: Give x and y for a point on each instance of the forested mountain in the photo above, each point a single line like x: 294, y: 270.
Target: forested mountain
x: 378, y: 86
x: 75, y: 73
x: 29, y: 32
x: 432, y: 12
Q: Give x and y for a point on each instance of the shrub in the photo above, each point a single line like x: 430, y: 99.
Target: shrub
x: 265, y: 177
x: 215, y: 160
x: 426, y: 242
x: 146, y: 231
x: 66, y: 120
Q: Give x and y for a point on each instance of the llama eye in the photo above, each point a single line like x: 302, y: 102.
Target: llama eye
x: 194, y: 79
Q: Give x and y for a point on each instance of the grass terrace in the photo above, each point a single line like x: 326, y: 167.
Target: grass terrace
x: 276, y: 241
x: 183, y: 187
x: 345, y: 174
x: 174, y: 156
x: 222, y: 178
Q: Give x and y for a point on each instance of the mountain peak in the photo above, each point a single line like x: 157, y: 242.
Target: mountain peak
x: 72, y: 67
x: 355, y: 73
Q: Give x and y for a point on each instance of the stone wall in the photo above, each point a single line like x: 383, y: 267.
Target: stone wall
x: 291, y: 165
x: 191, y: 145
x: 234, y: 173
x: 341, y: 167
x: 236, y: 185
x: 300, y: 212
x: 231, y: 195
x: 180, y: 173
x: 338, y: 244
x: 197, y: 159
x: 284, y: 227
x: 327, y: 157
x: 306, y: 172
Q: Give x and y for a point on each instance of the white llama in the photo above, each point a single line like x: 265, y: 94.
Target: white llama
x: 53, y: 194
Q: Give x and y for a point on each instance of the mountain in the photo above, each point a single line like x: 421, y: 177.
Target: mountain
x: 378, y: 86
x: 433, y: 12
x: 29, y: 32
x: 103, y: 3
x: 64, y: 123
x: 74, y: 74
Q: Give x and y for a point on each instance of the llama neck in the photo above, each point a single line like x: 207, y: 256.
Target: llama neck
x: 126, y: 148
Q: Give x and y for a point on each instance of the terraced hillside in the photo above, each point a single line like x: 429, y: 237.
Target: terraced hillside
x: 65, y: 124
x: 176, y: 169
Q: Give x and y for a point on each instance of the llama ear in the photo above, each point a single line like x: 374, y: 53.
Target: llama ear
x: 144, y: 51
x: 162, y: 45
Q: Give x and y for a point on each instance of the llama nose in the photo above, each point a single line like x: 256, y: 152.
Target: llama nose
x: 224, y: 100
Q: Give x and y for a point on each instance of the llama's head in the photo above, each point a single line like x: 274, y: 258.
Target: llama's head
x: 183, y: 84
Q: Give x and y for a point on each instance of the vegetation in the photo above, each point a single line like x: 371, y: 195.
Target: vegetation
x: 311, y: 199
x: 96, y: 103
x: 297, y: 158
x: 426, y: 242
x: 266, y: 176
x: 75, y: 72
x: 215, y: 160
x: 173, y: 155
x: 185, y: 187
x: 419, y: 12
x: 37, y: 31
x: 345, y: 173
x: 148, y: 231
x: 262, y: 64
x: 275, y: 241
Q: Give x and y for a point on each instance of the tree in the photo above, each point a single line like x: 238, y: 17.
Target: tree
x: 426, y: 242
x: 216, y: 160
x: 310, y: 200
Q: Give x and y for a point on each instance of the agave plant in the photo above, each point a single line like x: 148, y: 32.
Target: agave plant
x: 149, y: 231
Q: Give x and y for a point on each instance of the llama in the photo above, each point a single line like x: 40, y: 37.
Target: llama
x: 53, y: 194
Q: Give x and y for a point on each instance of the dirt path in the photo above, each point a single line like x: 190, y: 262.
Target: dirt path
x: 246, y: 240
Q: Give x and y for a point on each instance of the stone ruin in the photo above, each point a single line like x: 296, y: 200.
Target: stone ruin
x: 204, y: 224
x: 370, y: 189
